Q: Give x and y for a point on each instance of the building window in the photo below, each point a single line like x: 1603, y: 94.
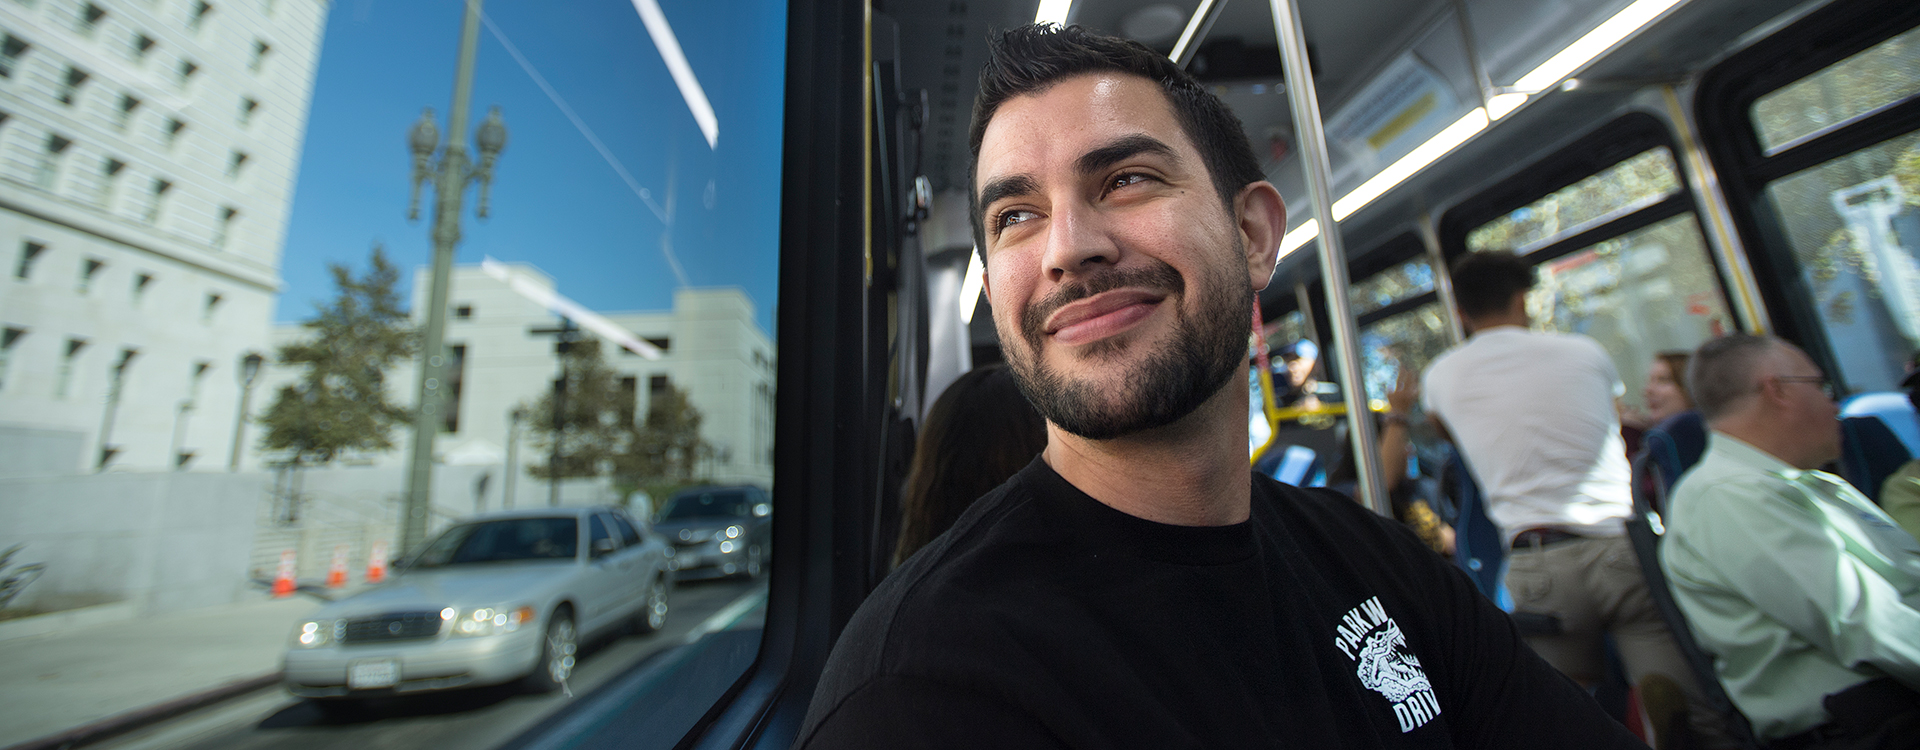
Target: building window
x: 183, y: 75
x: 63, y: 381
x: 125, y: 116
x: 70, y: 85
x: 248, y: 108
x: 89, y: 19
x: 463, y: 312
x: 260, y: 51
x: 11, y: 50
x: 201, y: 10
x: 8, y: 339
x: 140, y: 45
x: 193, y: 382
x: 155, y: 200
x: 110, y: 170
x: 657, y: 387
x: 663, y: 343
x: 235, y: 162
x: 206, y: 312
x: 170, y: 136
x: 629, y: 396
x: 456, y: 374
x: 47, y: 172
x: 89, y: 270
x: 141, y: 283
x: 224, y: 231
x: 29, y: 252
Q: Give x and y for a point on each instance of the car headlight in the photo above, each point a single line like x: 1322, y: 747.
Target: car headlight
x: 490, y: 620
x: 316, y: 633
x: 730, y: 532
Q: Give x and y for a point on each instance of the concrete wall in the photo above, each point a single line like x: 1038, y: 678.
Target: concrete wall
x: 28, y: 452
x: 163, y: 541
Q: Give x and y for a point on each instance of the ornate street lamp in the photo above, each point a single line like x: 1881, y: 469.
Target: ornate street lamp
x: 249, y: 369
x: 450, y: 174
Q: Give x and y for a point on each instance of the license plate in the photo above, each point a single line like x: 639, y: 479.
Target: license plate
x: 373, y: 673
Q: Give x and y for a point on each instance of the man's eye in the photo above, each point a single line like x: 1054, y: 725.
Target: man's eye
x: 1124, y: 180
x: 1009, y: 218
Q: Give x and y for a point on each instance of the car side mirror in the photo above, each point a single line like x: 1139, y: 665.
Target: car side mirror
x: 602, y: 547
x: 762, y: 510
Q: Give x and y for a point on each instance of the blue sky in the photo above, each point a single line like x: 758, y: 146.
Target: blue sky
x: 556, y: 203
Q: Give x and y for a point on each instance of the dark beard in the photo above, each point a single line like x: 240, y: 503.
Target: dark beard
x: 1173, y: 381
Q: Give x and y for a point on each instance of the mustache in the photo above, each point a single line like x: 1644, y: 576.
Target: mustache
x: 1157, y: 276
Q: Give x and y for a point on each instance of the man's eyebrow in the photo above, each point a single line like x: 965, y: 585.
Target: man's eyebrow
x: 1121, y: 149
x: 1004, y: 187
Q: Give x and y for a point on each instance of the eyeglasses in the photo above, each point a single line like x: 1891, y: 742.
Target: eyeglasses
x: 1825, y: 385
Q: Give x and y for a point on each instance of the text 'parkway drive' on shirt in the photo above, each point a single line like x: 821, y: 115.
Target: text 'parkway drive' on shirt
x: 1047, y: 619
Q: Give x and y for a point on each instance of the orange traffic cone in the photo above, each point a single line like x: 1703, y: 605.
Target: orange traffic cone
x: 377, y: 564
x: 283, y: 580
x: 337, y: 572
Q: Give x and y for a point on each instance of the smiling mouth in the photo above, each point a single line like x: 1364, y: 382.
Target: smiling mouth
x: 1101, y: 316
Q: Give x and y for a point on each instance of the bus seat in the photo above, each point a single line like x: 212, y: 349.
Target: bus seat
x: 1870, y: 452
x: 1644, y: 530
x: 1478, y: 546
x: 1893, y: 409
x: 1675, y: 446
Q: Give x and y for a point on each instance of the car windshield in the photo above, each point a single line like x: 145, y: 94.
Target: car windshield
x: 498, y: 541
x: 707, y: 504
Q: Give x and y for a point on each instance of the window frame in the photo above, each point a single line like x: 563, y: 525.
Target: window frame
x: 1723, y: 108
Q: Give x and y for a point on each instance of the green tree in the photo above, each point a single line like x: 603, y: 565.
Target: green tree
x: 667, y: 449
x: 596, y: 417
x: 340, y: 402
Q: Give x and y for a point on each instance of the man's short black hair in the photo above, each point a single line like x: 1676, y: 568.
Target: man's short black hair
x: 1032, y: 58
x: 1484, y: 283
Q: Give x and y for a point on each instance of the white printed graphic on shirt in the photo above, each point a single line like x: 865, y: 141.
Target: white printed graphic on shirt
x: 1386, y: 665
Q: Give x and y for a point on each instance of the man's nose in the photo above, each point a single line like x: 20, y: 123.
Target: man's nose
x: 1077, y: 242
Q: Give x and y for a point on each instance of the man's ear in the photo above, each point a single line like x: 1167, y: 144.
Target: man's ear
x: 1263, y: 221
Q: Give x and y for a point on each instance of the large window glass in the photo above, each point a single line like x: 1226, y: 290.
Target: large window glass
x: 1853, y: 227
x: 1886, y: 74
x: 1638, y: 294
x: 1405, y: 281
x: 1403, y: 341
x: 1629, y: 186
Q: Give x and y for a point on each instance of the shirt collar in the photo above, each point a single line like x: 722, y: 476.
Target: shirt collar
x: 1743, y: 453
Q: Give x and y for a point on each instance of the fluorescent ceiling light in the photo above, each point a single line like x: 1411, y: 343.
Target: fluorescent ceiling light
x: 1415, y: 160
x: 545, y: 297
x: 1597, y: 41
x: 971, y: 286
x: 1051, y: 11
x: 1502, y: 104
x: 669, y: 46
x: 1299, y: 237
x: 1192, y: 30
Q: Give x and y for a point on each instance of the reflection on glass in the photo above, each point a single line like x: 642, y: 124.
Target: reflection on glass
x: 1409, y: 279
x: 1643, y: 292
x: 1884, y: 75
x: 1621, y: 189
x: 1854, y: 228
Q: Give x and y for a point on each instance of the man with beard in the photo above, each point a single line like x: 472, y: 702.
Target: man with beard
x: 1136, y: 585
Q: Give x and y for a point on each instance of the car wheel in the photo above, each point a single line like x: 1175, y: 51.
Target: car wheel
x: 653, y: 612
x: 557, y: 653
x: 755, y: 564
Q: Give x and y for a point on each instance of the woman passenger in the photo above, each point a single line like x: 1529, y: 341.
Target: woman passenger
x: 979, y: 433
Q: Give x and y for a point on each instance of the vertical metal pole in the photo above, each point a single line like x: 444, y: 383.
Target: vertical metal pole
x: 1442, y: 279
x: 510, y: 482
x: 1310, y: 131
x: 240, y: 425
x: 1305, y: 300
x: 1717, y: 218
x: 1197, y: 29
x: 448, y: 190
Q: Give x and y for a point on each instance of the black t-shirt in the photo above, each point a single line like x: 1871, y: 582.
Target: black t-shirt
x: 1045, y: 618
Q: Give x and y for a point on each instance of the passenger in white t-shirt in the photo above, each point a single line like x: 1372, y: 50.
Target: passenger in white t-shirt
x: 1533, y: 413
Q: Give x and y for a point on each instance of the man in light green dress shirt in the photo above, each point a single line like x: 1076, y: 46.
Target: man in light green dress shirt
x: 1795, y: 581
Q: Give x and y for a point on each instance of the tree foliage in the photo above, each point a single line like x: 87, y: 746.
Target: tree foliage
x: 595, y: 423
x: 340, y: 402
x: 667, y: 449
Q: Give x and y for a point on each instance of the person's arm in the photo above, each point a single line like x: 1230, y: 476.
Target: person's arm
x: 1772, y: 546
x: 907, y: 712
x: 1394, y: 443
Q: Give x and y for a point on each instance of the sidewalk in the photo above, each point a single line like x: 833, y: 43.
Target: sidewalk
x: 77, y: 676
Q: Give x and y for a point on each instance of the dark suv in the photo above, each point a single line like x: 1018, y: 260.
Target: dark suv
x: 718, y: 531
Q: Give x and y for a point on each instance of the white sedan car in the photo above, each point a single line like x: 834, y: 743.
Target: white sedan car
x: 493, y: 599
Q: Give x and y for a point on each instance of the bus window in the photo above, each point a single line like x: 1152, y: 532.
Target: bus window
x: 1405, y: 281
x: 1407, y: 340
x: 1622, y: 189
x: 1853, y: 224
x: 1638, y: 294
x: 1851, y: 89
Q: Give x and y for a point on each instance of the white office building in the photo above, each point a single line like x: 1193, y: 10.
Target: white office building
x: 711, y: 348
x: 148, y: 151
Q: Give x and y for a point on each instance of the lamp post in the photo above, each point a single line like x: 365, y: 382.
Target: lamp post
x: 511, y: 483
x: 249, y: 369
x: 450, y: 174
